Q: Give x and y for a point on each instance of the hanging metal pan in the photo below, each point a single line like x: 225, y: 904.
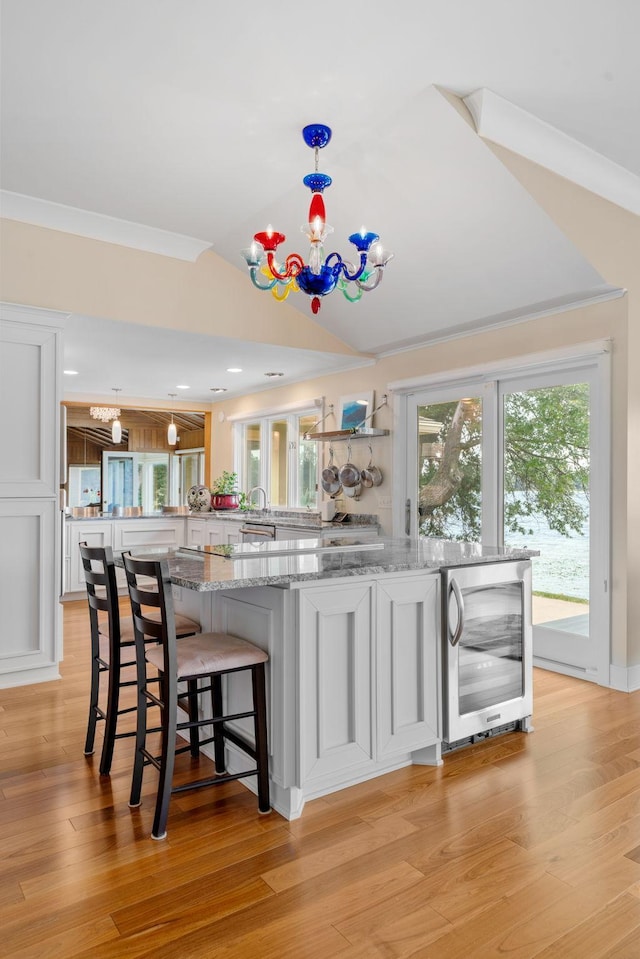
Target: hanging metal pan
x: 370, y: 475
x: 330, y: 472
x: 349, y: 473
x: 332, y: 489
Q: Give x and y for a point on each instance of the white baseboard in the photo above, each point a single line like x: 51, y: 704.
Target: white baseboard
x: 625, y: 678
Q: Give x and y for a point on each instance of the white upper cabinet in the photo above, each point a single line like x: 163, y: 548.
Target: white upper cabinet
x: 30, y: 401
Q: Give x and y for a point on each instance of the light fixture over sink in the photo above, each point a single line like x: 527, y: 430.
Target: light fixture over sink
x: 322, y: 275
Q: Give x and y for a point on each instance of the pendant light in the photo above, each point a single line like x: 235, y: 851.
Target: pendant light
x: 172, y: 432
x: 116, y: 426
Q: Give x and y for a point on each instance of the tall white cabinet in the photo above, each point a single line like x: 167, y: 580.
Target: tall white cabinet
x: 30, y: 527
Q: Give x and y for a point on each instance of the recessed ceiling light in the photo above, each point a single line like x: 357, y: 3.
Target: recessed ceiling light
x: 181, y: 386
x: 218, y: 389
x: 274, y: 374
x: 234, y: 369
x: 70, y: 372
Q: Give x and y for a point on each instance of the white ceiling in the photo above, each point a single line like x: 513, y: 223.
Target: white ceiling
x: 186, y: 117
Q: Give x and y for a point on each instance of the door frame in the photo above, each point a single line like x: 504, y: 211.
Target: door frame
x: 589, y: 356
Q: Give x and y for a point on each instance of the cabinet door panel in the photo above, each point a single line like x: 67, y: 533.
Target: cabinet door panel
x: 96, y: 533
x: 195, y: 532
x: 28, y: 394
x: 407, y: 665
x: 28, y: 591
x: 335, y: 676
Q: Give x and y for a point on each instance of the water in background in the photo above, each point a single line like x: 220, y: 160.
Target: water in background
x: 563, y: 564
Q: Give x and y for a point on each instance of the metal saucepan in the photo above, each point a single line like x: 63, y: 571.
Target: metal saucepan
x: 330, y: 471
x: 349, y: 474
x: 353, y: 491
x: 330, y: 479
x: 332, y: 489
x: 370, y: 475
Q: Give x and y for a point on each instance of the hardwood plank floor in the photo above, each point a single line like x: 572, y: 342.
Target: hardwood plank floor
x: 525, y: 846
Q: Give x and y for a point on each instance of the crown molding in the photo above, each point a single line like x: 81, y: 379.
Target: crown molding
x: 96, y: 226
x: 502, y: 122
x: 499, y: 321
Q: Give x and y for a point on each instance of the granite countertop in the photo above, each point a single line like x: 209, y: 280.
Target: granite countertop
x: 203, y: 570
x: 303, y: 519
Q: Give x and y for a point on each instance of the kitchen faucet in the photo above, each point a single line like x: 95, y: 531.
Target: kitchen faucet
x: 258, y: 489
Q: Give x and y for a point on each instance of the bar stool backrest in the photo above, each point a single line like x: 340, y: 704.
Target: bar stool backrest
x: 102, y: 591
x: 149, y: 585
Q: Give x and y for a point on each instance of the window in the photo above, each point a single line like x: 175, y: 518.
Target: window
x: 189, y: 472
x: 135, y: 479
x: 272, y: 452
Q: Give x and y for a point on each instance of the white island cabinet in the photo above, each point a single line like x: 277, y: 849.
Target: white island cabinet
x: 353, y: 688
x: 354, y: 641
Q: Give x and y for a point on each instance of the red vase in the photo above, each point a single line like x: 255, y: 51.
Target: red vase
x: 225, y: 500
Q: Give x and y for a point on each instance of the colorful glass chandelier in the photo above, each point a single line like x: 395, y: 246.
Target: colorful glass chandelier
x: 321, y: 275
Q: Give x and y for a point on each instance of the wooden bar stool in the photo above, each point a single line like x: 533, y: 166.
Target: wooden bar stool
x: 112, y: 649
x: 207, y: 656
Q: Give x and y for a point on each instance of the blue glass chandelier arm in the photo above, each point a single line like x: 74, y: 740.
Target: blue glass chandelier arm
x: 253, y: 272
x: 343, y: 266
x: 357, y: 273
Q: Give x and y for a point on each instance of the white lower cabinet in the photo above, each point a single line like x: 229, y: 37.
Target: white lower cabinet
x: 29, y: 591
x: 336, y: 655
x: 407, y: 686
x: 94, y: 533
x: 211, y: 532
x: 369, y: 686
x: 122, y: 534
x: 352, y: 678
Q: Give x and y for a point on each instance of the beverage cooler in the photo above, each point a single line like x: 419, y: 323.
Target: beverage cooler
x: 487, y: 662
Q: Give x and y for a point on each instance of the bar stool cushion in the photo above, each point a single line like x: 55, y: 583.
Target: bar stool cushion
x: 209, y: 653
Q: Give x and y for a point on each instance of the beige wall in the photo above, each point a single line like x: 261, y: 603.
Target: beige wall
x: 61, y: 271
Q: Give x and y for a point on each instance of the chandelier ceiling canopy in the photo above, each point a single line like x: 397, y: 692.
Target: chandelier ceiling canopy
x: 322, y: 275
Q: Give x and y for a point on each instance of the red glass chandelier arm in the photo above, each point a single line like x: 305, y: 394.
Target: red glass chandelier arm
x: 293, y: 265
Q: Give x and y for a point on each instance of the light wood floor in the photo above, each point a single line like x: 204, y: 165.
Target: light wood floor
x: 523, y: 846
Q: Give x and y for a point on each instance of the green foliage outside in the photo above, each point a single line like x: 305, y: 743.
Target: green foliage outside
x: 546, y: 460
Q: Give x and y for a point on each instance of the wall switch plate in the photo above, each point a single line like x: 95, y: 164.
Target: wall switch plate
x: 384, y: 502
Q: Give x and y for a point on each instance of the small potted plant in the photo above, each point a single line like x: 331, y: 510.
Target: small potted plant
x: 224, y: 492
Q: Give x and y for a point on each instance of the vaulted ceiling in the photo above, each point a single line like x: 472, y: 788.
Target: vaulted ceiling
x: 185, y: 118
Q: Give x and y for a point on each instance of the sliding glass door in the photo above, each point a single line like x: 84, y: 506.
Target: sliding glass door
x: 523, y: 461
x: 548, y: 494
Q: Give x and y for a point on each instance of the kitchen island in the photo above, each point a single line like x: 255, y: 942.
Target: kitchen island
x: 353, y: 635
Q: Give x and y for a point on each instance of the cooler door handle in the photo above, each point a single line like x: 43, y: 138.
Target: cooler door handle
x: 454, y: 638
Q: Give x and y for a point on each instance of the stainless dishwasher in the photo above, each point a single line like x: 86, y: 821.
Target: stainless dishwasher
x: 487, y: 665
